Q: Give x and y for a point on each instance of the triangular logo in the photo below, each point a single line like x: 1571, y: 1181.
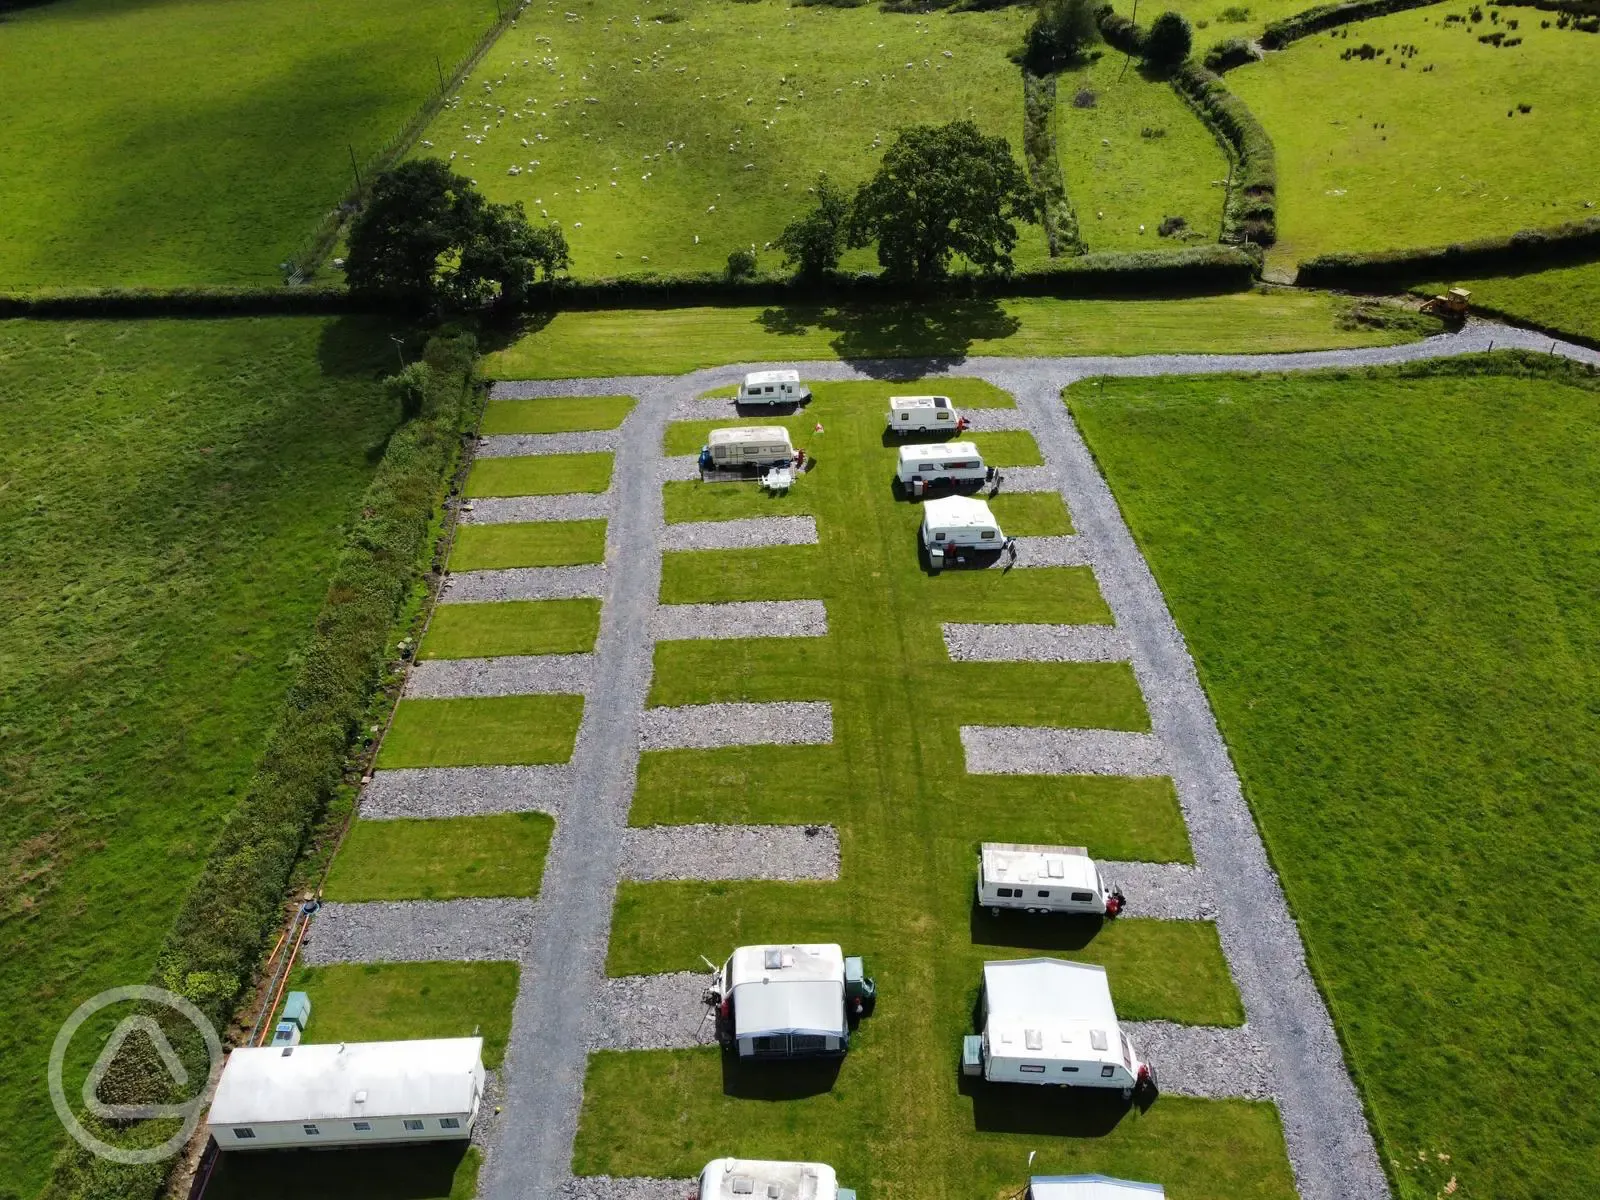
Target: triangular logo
x: 164, y: 1051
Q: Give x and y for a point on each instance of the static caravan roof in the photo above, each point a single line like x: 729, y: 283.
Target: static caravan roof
x: 957, y: 512
x: 1014, y: 862
x: 347, y: 1080
x: 940, y: 451
x: 748, y: 433
x: 788, y: 989
x: 1052, y: 1009
x: 899, y: 402
x: 756, y: 377
x: 757, y: 1179
x: 1091, y: 1187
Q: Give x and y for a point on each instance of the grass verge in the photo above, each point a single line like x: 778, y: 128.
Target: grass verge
x: 445, y: 859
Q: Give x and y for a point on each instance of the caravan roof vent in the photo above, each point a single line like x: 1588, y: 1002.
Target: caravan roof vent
x: 288, y: 1050
x: 1097, y: 1038
x: 773, y: 960
x: 774, y: 1191
x: 1056, y: 868
x: 744, y: 1185
x: 1033, y: 1039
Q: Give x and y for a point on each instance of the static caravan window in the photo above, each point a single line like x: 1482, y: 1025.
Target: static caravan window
x: 413, y: 1126
x: 363, y: 1126
x: 449, y: 1123
x: 311, y: 1130
x: 1032, y: 1068
x: 244, y: 1134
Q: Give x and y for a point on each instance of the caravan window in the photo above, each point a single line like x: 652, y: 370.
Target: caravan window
x: 242, y: 1134
x: 413, y: 1126
x: 1082, y: 897
x: 767, y: 390
x: 1072, y: 1069
x: 311, y: 1130
x: 1032, y: 1068
x: 363, y: 1126
x: 1005, y: 892
x: 988, y: 534
x: 1107, y: 1071
x: 449, y: 1123
x: 1045, y: 894
x: 905, y: 416
x: 941, y: 416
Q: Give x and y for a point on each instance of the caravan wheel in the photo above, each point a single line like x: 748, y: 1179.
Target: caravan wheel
x: 1127, y: 1095
x: 994, y: 910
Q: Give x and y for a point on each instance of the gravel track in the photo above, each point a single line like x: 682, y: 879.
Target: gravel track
x: 506, y: 510
x: 716, y: 852
x: 520, y: 445
x: 465, y: 791
x: 678, y: 468
x: 419, y: 931
x: 1024, y: 750
x: 525, y: 583
x: 709, y: 726
x: 1035, y: 643
x: 742, y: 619
x: 607, y: 1187
x: 1162, y: 891
x: 742, y: 534
x: 653, y: 1012
x: 1203, y: 1060
x: 511, y: 675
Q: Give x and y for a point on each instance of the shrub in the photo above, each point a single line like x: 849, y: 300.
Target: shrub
x: 1171, y: 226
x: 409, y: 389
x: 1169, y: 41
x: 1061, y: 31
x: 741, y: 264
x: 1236, y: 14
x: 1230, y: 53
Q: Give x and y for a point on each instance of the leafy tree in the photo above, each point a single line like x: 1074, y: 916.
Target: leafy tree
x: 813, y: 241
x: 943, y: 190
x: 741, y: 264
x: 1061, y: 31
x: 428, y: 238
x: 1169, y: 41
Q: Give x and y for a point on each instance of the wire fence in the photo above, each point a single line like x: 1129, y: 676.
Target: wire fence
x: 309, y: 256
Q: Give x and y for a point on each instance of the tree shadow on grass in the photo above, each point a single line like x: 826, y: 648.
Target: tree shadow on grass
x: 880, y: 338
x: 1043, y: 1111
x: 389, y: 1173
x: 1032, y: 931
x: 780, y: 1079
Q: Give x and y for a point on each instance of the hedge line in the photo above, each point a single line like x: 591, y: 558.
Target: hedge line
x: 1230, y: 53
x: 223, y: 924
x: 1577, y: 8
x: 1279, y: 34
x: 272, y: 300
x: 1120, y: 32
x: 1044, y: 165
x: 1252, y: 209
x: 1528, y: 249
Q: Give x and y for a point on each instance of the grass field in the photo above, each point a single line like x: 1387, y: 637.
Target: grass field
x: 482, y: 731
x: 1565, y: 299
x: 1214, y: 20
x: 1134, y: 156
x: 441, y: 859
x: 171, y: 501
x: 142, y: 146
x: 645, y: 341
x: 528, y: 544
x: 1372, y: 156
x: 540, y: 475
x: 893, y: 1118
x: 512, y: 627
x: 641, y: 129
x: 564, y: 414
x: 1387, y: 583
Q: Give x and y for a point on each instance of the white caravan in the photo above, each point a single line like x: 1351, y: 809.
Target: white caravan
x: 923, y: 414
x: 1049, y: 1021
x: 960, y: 523
x: 1044, y: 879
x: 758, y: 1179
x: 950, y: 464
x: 1091, y: 1187
x: 772, y: 387
x: 349, y: 1094
x: 789, y: 1001
x: 746, y: 446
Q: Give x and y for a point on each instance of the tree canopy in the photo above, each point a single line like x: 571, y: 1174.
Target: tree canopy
x: 943, y: 190
x: 813, y: 241
x: 1061, y: 31
x: 427, y: 237
x: 1169, y: 41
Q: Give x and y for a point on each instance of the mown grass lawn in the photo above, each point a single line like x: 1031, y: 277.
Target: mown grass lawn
x: 690, y: 500
x: 540, y: 475
x: 1007, y: 448
x: 482, y: 731
x: 644, y: 341
x: 894, y: 1117
x: 1388, y: 583
x: 555, y: 414
x: 1133, y: 154
x: 1565, y: 299
x: 172, y: 502
x: 643, y: 130
x: 528, y: 544
x: 1372, y: 156
x: 185, y: 142
x: 441, y: 859
x: 1031, y: 514
x: 512, y: 627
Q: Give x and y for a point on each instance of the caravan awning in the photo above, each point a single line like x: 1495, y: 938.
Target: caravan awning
x: 788, y: 989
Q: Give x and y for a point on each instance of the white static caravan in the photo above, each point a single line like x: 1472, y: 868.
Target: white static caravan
x: 1091, y: 1187
x: 1044, y: 879
x: 783, y: 1001
x: 772, y: 387
x: 742, y: 446
x: 923, y: 414
x: 347, y: 1094
x: 952, y: 464
x: 960, y: 523
x: 1049, y: 1021
x: 758, y: 1179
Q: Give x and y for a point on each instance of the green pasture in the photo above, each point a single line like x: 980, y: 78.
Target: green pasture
x: 1133, y: 154
x: 1387, y: 580
x: 894, y: 1117
x: 528, y: 544
x: 177, y: 142
x: 669, y: 341
x: 512, y: 627
x: 641, y: 129
x: 172, y: 502
x: 482, y: 731
x: 540, y: 475
x: 1374, y: 157
x: 556, y: 414
x: 1215, y: 20
x: 1566, y: 299
x: 441, y: 859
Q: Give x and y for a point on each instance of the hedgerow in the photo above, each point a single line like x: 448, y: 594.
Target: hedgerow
x: 1279, y: 34
x: 1252, y: 210
x: 1527, y: 249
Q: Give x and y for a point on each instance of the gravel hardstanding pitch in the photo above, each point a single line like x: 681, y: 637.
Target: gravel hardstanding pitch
x: 708, y: 726
x: 524, y: 583
x: 607, y: 1187
x: 742, y: 534
x: 419, y: 931
x: 1162, y: 891
x: 654, y: 1012
x: 1028, y: 479
x: 1035, y: 643
x: 1064, y: 551
x: 507, y: 510
x: 666, y: 852
x: 519, y: 445
x: 464, y: 791
x: 512, y: 675
x: 1203, y: 1060
x: 678, y: 468
x: 745, y: 619
x: 1020, y: 750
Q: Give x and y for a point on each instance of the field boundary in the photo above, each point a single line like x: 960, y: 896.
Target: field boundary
x: 1250, y: 208
x: 1056, y: 213
x: 1279, y: 34
x: 1572, y: 244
